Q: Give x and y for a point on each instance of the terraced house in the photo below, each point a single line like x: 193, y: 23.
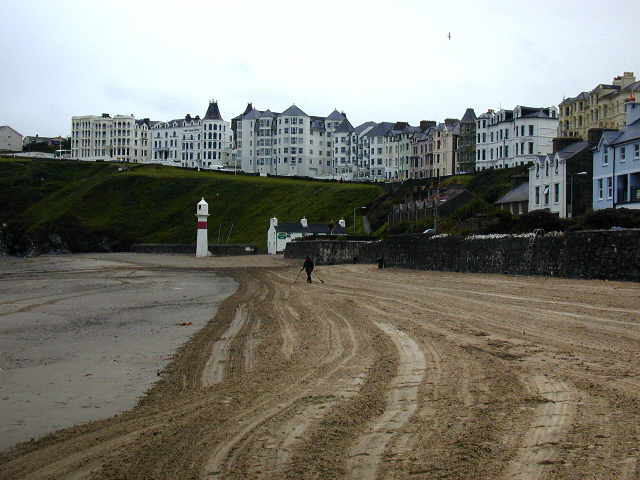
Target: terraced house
x: 193, y: 142
x: 465, y: 132
x: 602, y: 107
x: 508, y: 138
x: 616, y: 164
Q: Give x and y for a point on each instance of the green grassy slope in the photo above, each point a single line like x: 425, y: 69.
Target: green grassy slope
x: 153, y: 204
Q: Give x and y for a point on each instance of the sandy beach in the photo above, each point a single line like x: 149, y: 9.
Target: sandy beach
x: 364, y: 374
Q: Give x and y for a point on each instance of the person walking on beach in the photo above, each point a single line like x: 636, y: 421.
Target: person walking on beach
x: 308, y: 267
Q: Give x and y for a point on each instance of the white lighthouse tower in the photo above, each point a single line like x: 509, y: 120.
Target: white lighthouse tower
x: 202, y: 246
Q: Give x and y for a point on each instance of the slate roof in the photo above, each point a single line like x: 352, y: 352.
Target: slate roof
x: 380, y: 130
x: 361, y: 128
x: 608, y: 137
x: 213, y: 112
x: 144, y: 121
x: 634, y: 86
x: 294, y: 112
x: 533, y: 112
x: 581, y: 96
x: 317, y: 122
x: 572, y: 149
x: 246, y: 110
x: 423, y: 135
x: 311, y: 228
x: 518, y: 194
x: 336, y: 115
x: 469, y: 116
x: 628, y: 134
x: 253, y: 114
x: 31, y: 138
x: 542, y: 113
x: 344, y: 127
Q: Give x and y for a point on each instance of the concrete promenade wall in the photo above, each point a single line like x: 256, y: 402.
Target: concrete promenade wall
x: 606, y: 254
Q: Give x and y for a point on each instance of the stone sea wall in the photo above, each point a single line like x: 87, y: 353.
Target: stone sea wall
x: 221, y: 250
x: 602, y: 254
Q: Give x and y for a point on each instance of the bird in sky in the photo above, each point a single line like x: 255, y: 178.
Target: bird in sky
x: 449, y: 36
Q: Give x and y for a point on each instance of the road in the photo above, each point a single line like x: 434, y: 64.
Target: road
x: 377, y: 373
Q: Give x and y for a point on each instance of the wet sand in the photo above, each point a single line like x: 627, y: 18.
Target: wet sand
x: 82, y: 337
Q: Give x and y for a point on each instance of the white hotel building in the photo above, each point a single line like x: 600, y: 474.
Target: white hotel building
x: 290, y: 143
x: 509, y: 138
x: 121, y: 138
x: 203, y: 143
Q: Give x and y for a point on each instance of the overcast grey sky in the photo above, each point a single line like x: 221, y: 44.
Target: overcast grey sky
x: 374, y: 60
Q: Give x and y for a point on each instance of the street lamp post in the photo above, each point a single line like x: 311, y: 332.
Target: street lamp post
x: 573, y: 175
x: 354, y: 218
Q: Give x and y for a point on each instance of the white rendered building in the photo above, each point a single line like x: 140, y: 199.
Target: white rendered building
x: 203, y: 143
x: 279, y: 234
x: 290, y: 143
x: 349, y: 151
x: 10, y: 140
x: 508, y: 138
x: 121, y: 138
x: 552, y: 178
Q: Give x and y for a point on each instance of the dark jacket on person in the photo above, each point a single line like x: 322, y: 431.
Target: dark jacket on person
x: 308, y: 265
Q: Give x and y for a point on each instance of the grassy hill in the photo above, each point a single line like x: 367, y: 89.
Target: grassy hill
x: 154, y: 204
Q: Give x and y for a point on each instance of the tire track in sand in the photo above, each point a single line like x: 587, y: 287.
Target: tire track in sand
x: 550, y: 423
x: 341, y: 376
x: 217, y: 365
x: 402, y: 402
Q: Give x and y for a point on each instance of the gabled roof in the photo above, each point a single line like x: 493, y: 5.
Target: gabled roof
x: 335, y: 115
x: 608, y: 137
x: 294, y: 112
x: 268, y: 114
x: 518, y: 194
x: 213, y: 112
x: 469, y: 116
